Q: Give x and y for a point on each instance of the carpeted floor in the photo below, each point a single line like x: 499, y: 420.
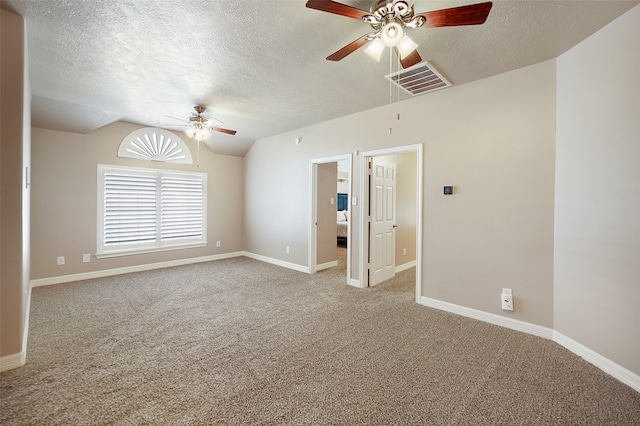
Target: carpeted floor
x: 239, y: 341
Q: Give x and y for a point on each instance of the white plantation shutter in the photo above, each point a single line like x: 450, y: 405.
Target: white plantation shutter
x: 130, y: 201
x: 181, y: 207
x: 147, y: 210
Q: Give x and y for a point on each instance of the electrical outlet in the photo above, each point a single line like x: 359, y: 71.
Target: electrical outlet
x: 86, y: 258
x: 218, y: 243
x: 404, y: 251
x: 60, y: 260
x: 286, y: 249
x: 507, y: 300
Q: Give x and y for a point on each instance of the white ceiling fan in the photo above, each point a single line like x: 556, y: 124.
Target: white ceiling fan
x: 199, y: 126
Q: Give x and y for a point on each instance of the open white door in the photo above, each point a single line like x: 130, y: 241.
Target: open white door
x: 382, y: 210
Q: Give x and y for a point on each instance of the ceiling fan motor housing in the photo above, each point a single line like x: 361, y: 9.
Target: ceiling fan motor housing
x: 397, y: 8
x: 400, y: 12
x: 198, y: 120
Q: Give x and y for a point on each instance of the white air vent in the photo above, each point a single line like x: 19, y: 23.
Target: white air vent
x: 419, y: 79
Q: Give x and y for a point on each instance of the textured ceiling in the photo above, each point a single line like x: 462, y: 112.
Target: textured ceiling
x: 258, y: 65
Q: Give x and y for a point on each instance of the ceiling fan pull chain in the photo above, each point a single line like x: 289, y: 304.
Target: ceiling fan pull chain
x: 390, y: 89
x: 397, y: 87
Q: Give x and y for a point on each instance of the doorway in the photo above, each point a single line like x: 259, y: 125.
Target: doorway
x: 330, y: 191
x: 365, y: 262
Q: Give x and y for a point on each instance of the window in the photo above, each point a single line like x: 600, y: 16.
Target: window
x: 155, y: 145
x: 144, y: 210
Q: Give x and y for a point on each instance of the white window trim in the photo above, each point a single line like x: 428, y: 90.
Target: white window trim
x: 149, y: 247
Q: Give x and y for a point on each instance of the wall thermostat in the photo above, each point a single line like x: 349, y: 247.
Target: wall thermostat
x: 448, y: 190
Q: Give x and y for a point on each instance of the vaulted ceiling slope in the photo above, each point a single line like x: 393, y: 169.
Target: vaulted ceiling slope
x: 259, y: 65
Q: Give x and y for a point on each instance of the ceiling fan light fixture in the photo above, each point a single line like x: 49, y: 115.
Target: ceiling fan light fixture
x: 391, y: 34
x: 406, y: 46
x: 190, y: 131
x: 375, y: 49
x: 201, y: 134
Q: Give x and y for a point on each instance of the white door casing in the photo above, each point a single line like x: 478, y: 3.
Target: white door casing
x: 382, y: 205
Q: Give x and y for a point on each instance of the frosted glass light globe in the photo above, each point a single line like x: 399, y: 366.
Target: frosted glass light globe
x: 391, y: 34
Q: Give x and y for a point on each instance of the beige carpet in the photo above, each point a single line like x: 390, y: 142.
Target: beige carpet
x: 243, y: 342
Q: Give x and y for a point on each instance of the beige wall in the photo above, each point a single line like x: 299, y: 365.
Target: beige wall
x: 275, y: 178
x: 326, y: 213
x: 597, y: 234
x: 493, y: 139
x: 14, y: 201
x: 64, y: 208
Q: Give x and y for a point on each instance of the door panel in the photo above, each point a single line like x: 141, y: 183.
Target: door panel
x: 383, y: 221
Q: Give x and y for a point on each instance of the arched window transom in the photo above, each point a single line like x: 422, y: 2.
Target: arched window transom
x: 154, y: 144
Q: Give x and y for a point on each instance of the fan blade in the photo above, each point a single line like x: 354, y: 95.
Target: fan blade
x: 176, y: 118
x: 349, y: 48
x: 221, y: 130
x: 409, y: 60
x: 213, y: 121
x: 337, y: 8
x: 473, y: 14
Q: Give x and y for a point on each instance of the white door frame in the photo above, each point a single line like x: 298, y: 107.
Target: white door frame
x: 313, y: 210
x: 364, y: 221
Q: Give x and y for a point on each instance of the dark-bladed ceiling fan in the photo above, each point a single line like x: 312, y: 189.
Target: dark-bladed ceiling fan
x: 389, y: 18
x: 199, y: 127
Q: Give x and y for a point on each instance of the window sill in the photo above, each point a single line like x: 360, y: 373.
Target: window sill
x: 128, y: 252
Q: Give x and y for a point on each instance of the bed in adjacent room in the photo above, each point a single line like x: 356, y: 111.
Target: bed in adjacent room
x: 343, y: 219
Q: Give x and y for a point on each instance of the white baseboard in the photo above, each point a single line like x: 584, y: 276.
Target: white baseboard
x: 128, y: 269
x: 627, y: 377
x: 25, y: 332
x: 326, y: 265
x: 406, y: 266
x: 354, y: 282
x: 9, y: 362
x: 511, y: 323
x: 159, y: 265
x: 278, y: 262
